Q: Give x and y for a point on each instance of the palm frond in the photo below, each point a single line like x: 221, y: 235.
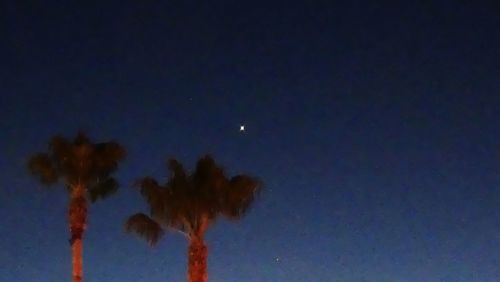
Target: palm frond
x: 81, y: 138
x: 107, y: 156
x: 149, y: 188
x: 207, y: 179
x: 176, y: 168
x: 153, y: 194
x: 41, y: 165
x: 61, y: 149
x: 239, y: 195
x: 205, y: 168
x: 103, y: 189
x: 145, y: 227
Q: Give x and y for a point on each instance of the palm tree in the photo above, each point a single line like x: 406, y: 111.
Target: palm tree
x: 85, y: 168
x: 189, y: 204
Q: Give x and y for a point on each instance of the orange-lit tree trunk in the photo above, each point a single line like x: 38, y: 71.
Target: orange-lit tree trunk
x: 197, y: 268
x: 77, y: 224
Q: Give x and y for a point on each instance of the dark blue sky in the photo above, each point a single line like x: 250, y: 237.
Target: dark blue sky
x: 374, y: 125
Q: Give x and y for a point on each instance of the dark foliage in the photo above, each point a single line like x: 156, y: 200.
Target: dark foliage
x: 79, y: 162
x: 190, y: 202
x: 103, y: 189
x: 144, y: 227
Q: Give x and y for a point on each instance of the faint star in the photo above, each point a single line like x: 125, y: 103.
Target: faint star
x: 277, y: 259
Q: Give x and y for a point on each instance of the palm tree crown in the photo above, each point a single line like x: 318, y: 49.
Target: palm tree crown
x: 189, y: 203
x: 79, y: 162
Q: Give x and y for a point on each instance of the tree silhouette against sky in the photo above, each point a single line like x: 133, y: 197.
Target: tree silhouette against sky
x: 85, y: 168
x: 189, y: 204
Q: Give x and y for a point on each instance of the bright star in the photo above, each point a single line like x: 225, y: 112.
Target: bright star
x: 242, y: 128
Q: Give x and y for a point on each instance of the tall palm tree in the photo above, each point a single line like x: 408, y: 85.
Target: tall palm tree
x: 85, y: 168
x: 189, y: 204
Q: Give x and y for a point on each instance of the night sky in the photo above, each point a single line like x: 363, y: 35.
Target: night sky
x: 375, y: 126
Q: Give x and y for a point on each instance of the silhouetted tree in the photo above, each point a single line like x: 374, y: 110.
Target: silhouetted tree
x: 189, y: 204
x: 85, y: 169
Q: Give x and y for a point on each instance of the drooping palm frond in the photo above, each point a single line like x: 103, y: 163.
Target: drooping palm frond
x: 145, y: 227
x: 42, y: 166
x: 239, y: 195
x: 103, y: 189
x: 151, y: 191
x: 166, y: 205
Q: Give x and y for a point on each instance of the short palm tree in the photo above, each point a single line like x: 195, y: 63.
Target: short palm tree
x: 189, y: 204
x: 85, y: 168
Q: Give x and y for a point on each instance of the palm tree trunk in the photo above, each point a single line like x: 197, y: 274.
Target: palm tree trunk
x: 77, y: 224
x: 76, y: 252
x: 197, y: 268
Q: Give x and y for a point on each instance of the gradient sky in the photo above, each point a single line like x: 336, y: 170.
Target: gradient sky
x: 375, y: 126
